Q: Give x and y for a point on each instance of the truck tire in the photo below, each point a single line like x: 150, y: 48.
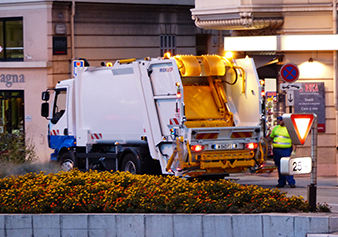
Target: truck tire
x: 131, y: 164
x: 66, y: 162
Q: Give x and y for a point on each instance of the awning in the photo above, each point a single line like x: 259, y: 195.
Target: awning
x: 270, y: 69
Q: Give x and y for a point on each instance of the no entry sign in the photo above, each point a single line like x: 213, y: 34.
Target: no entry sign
x: 289, y: 72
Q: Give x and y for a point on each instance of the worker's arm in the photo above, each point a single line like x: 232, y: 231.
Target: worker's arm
x: 269, y: 138
x: 294, y: 148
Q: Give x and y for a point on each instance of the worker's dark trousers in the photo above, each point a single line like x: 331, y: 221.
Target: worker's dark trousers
x: 278, y: 153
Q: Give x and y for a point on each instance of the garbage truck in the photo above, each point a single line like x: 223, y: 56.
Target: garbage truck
x: 182, y: 115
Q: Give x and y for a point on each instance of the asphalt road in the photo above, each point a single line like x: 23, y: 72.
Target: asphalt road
x: 327, y: 187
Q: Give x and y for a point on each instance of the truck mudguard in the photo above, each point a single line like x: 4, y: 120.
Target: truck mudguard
x: 58, y: 142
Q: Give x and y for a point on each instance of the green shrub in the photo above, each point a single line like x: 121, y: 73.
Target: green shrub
x: 121, y: 192
x: 16, y: 148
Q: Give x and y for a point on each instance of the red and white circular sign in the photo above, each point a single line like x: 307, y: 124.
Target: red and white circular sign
x: 289, y: 72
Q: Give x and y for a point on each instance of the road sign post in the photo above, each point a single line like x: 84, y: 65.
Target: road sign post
x: 289, y: 72
x: 298, y: 126
x: 312, y: 188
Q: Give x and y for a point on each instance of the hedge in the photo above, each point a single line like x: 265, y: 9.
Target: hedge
x: 121, y: 192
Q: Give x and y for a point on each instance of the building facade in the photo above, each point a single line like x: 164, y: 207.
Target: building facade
x: 40, y: 39
x: 277, y: 32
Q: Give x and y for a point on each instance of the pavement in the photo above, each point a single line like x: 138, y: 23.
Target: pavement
x: 327, y: 187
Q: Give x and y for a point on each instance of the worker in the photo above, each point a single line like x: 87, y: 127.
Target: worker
x: 282, y: 147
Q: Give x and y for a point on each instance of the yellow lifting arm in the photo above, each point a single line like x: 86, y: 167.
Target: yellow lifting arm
x: 217, y: 97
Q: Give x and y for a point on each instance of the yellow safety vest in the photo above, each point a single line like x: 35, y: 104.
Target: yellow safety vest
x: 281, y: 137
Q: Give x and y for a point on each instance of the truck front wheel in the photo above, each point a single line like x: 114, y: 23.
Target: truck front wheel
x: 66, y: 162
x: 131, y: 164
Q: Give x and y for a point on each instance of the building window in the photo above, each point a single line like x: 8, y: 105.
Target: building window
x: 11, y: 39
x: 168, y: 44
x: 202, y: 44
x: 11, y: 111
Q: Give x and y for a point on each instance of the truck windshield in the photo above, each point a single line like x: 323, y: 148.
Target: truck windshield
x: 59, y: 104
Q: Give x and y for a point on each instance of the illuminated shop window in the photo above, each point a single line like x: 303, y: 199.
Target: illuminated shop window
x: 11, y: 39
x: 11, y: 111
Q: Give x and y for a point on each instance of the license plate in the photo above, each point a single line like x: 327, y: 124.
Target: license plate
x: 224, y: 146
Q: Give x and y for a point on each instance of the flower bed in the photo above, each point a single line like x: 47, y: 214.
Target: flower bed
x: 120, y: 192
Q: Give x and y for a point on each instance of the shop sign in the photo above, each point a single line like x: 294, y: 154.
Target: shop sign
x: 60, y: 29
x: 9, y: 79
x: 311, y: 99
x: 59, y: 45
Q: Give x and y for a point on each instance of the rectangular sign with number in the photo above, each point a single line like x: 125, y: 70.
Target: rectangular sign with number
x: 295, y: 165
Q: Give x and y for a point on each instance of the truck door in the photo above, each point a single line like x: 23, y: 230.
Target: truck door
x: 163, y: 80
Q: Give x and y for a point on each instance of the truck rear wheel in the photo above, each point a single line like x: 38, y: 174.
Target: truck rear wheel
x: 131, y: 164
x: 66, y: 162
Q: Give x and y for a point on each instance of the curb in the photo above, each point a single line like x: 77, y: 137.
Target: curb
x: 177, y: 225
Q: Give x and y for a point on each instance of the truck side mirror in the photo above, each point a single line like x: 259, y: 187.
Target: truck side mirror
x: 45, y: 95
x: 45, y: 109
